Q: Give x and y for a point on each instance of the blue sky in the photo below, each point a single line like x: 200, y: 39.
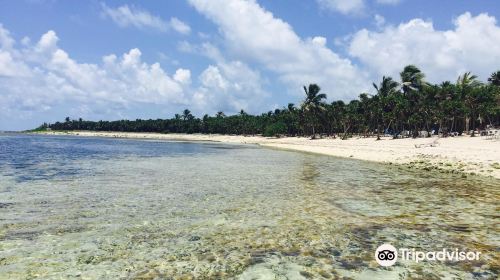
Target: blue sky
x: 151, y: 59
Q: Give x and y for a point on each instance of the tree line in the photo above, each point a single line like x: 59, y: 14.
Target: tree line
x: 399, y: 108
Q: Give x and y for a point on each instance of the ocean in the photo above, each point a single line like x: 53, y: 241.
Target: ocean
x: 103, y: 208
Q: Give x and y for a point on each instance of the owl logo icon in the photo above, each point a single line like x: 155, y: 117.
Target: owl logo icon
x: 386, y: 255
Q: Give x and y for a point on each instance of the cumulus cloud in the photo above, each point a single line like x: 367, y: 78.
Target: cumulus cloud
x: 343, y: 6
x: 130, y: 16
x: 42, y: 76
x: 253, y: 34
x: 41, y: 79
x: 182, y: 76
x: 230, y: 86
x: 9, y: 67
x: 212, y: 78
x: 473, y: 45
x: 226, y: 85
x: 319, y: 40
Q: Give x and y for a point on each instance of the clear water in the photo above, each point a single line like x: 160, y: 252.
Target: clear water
x: 95, y: 208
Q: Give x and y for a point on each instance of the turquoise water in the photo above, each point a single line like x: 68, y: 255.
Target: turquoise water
x: 94, y: 208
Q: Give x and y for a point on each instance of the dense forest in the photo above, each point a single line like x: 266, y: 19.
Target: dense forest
x: 403, y: 108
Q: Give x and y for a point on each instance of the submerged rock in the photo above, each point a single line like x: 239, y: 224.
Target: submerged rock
x: 194, y: 238
x: 6, y: 204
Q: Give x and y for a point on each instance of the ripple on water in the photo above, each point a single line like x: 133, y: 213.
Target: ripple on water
x: 109, y: 208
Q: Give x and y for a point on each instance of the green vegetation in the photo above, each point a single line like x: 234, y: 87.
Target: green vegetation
x: 405, y: 108
x: 275, y: 129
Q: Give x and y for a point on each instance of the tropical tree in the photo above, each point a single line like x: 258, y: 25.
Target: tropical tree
x: 412, y: 79
x: 351, y: 117
x: 466, y: 85
x: 186, y: 115
x: 410, y: 105
x: 412, y: 83
x: 387, y: 92
x: 313, y: 105
x: 494, y: 79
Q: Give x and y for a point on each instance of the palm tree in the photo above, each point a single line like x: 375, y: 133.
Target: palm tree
x: 186, y: 115
x: 494, y: 79
x: 367, y: 112
x: 290, y: 118
x: 385, y: 92
x: 351, y: 117
x: 412, y: 82
x: 466, y: 84
x: 412, y: 79
x: 387, y: 86
x: 337, y: 113
x: 313, y: 105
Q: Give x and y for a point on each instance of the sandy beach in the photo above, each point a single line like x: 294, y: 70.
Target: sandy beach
x: 463, y: 154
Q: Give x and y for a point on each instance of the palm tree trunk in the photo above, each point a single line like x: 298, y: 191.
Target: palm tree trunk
x: 440, y: 125
x: 389, y: 125
x: 378, y: 131
x: 346, y: 129
x: 467, y: 124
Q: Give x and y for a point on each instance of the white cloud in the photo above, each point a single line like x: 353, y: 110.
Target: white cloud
x: 126, y: 16
x: 185, y: 46
x: 182, y: 76
x: 25, y: 41
x: 205, y: 49
x: 130, y: 16
x: 473, y: 45
x: 180, y: 26
x: 227, y: 86
x: 9, y: 67
x: 42, y: 77
x: 379, y: 20
x: 351, y: 7
x: 254, y: 34
x: 230, y: 87
x: 321, y: 41
x: 389, y: 2
x: 212, y: 78
x: 6, y: 42
x: 343, y: 6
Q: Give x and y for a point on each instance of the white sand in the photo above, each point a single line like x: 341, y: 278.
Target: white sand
x: 463, y: 154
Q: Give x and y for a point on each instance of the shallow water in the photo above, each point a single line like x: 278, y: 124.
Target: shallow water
x: 95, y: 208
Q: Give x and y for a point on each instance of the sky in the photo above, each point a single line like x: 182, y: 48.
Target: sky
x: 146, y: 59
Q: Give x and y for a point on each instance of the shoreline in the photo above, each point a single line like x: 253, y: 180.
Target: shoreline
x: 462, y: 154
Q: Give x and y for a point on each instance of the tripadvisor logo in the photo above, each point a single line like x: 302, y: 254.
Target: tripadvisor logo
x: 387, y: 255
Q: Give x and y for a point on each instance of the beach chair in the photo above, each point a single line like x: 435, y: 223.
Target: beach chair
x: 423, y: 134
x: 493, y: 134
